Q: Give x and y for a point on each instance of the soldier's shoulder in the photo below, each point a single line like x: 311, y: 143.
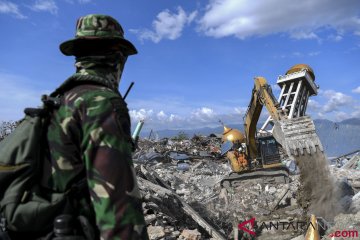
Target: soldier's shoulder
x: 89, y: 91
x: 89, y: 94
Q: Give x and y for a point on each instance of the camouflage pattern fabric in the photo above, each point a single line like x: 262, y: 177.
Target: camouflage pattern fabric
x: 94, y: 27
x: 90, y: 135
x: 109, y: 67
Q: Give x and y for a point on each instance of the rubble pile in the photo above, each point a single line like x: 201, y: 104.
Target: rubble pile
x: 6, y: 127
x: 348, y: 161
x: 166, y: 149
x: 180, y: 181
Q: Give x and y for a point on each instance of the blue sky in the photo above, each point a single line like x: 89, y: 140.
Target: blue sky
x: 197, y: 59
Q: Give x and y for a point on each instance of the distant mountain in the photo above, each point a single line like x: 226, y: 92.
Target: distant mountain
x: 337, y: 137
x: 351, y: 121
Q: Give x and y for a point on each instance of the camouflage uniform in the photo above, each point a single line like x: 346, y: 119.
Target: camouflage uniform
x: 89, y: 135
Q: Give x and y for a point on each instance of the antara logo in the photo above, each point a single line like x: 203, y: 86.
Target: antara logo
x: 242, y: 226
x: 248, y: 226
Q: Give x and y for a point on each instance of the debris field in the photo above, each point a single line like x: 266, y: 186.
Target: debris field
x: 183, y: 197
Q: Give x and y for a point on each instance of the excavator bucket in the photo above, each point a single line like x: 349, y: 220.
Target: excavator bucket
x: 297, y: 135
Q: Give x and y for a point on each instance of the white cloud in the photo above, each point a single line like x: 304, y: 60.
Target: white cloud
x: 339, y: 116
x: 300, y: 20
x: 167, y: 25
x: 335, y: 100
x: 203, y: 114
x: 11, y: 8
x: 174, y: 118
x: 356, y: 90
x: 337, y: 38
x: 304, y: 35
x: 356, y: 112
x: 333, y: 105
x: 164, y: 118
x: 141, y: 114
x: 161, y: 116
x: 313, y: 105
x: 45, y: 6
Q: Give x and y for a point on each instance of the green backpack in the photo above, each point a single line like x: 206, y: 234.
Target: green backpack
x: 25, y: 206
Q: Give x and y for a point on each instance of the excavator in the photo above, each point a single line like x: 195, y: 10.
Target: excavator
x: 254, y: 154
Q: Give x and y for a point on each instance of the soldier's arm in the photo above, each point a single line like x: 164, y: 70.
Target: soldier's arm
x: 107, y: 150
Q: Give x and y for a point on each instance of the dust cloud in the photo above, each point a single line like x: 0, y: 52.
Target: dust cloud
x: 318, y: 192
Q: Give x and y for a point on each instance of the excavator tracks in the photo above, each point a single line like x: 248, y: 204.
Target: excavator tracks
x: 277, y: 174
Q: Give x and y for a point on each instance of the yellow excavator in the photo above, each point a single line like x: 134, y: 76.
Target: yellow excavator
x: 253, y: 155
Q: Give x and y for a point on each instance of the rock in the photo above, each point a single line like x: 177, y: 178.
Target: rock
x: 170, y: 230
x: 345, y: 188
x: 150, y: 218
x: 356, y: 184
x: 272, y: 190
x: 175, y: 234
x: 293, y: 202
x: 275, y: 216
x: 150, y: 157
x: 183, y: 192
x: 187, y: 234
x: 355, y: 205
x: 291, y: 165
x: 193, y: 168
x: 356, y: 196
x: 183, y: 166
x: 352, y: 163
x: 204, y: 154
x: 178, y: 156
x: 345, y: 203
x: 155, y: 232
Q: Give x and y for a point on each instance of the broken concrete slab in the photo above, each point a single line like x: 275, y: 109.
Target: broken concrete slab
x: 155, y: 232
x: 188, y: 234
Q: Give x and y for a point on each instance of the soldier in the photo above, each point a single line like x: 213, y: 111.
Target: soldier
x: 89, y: 135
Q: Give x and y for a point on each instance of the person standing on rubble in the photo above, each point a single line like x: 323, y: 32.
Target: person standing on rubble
x: 89, y: 135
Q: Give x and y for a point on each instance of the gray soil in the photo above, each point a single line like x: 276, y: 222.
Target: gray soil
x: 318, y: 192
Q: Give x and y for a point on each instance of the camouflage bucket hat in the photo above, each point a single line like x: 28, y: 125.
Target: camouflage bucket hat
x: 96, y: 30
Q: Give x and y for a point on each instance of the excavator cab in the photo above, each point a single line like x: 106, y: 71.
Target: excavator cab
x: 268, y: 149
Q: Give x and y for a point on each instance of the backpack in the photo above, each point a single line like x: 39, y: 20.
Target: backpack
x: 25, y: 206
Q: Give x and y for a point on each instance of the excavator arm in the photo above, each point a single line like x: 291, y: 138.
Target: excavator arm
x: 250, y: 120
x: 261, y: 96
